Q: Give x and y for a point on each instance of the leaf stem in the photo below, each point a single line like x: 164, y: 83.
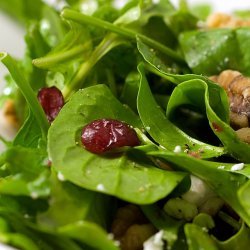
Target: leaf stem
x: 229, y: 220
x: 110, y: 41
x: 128, y: 33
x: 50, y: 60
x: 27, y: 91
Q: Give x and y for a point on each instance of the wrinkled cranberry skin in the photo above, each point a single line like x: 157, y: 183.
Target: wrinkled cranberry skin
x: 103, y: 135
x: 51, y: 100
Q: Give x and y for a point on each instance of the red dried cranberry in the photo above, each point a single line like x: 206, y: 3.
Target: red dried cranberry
x: 51, y: 100
x: 103, y: 135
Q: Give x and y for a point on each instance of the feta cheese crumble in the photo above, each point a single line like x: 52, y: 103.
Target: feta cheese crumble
x: 221, y: 167
x: 177, y: 149
x: 100, y: 187
x: 60, y: 176
x: 155, y: 242
x: 237, y: 167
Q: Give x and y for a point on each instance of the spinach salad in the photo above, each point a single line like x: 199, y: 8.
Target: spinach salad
x: 147, y: 72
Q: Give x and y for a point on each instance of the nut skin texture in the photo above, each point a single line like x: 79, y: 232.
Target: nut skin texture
x: 51, y: 100
x: 222, y: 20
x: 131, y: 228
x: 244, y: 134
x: 237, y: 88
x: 104, y: 135
x: 136, y: 235
x: 125, y: 217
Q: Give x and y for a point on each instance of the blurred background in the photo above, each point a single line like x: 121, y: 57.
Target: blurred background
x: 11, y: 39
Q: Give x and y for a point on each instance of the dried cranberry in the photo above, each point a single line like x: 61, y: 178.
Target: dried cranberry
x: 51, y: 100
x: 103, y: 135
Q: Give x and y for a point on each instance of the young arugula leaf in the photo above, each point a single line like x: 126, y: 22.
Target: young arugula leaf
x: 30, y: 134
x: 212, y: 99
x: 52, y: 27
x: 35, y: 47
x: 27, y: 91
x: 43, y: 239
x: 78, y: 204
x: 27, y: 175
x: 152, y: 21
x: 161, y: 129
x: 89, y: 234
x: 156, y: 59
x: 243, y: 196
x: 18, y: 240
x: 197, y: 238
x: 122, y: 31
x: 22, y: 10
x: 72, y: 47
x: 109, y: 174
x: 130, y: 90
x: 108, y: 43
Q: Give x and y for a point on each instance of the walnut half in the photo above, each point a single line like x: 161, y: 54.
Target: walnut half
x: 237, y: 88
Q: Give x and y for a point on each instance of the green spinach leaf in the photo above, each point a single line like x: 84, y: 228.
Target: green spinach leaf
x: 78, y: 204
x: 25, y: 175
x: 89, y: 234
x: 198, y: 239
x: 30, y: 134
x: 210, y: 52
x: 213, y: 99
x: 161, y: 129
x: 110, y: 174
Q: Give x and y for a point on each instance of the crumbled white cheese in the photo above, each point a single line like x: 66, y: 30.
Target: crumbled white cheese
x: 155, y: 242
x: 100, y: 187
x: 111, y: 236
x: 156, y: 1
x: 221, y: 167
x: 60, y: 176
x: 34, y: 195
x: 147, y: 128
x: 177, y: 149
x: 198, y: 193
x: 237, y: 167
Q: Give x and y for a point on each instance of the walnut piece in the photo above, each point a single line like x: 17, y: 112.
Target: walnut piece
x: 237, y: 88
x: 244, y: 134
x: 10, y: 115
x: 221, y: 20
x: 131, y: 228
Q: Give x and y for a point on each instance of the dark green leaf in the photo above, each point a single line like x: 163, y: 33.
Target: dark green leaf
x: 22, y: 10
x: 77, y: 203
x: 161, y: 129
x: 109, y: 174
x: 27, y: 92
x: 213, y: 99
x: 28, y: 174
x: 89, y: 234
x: 29, y: 134
x: 198, y: 239
x: 210, y: 52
